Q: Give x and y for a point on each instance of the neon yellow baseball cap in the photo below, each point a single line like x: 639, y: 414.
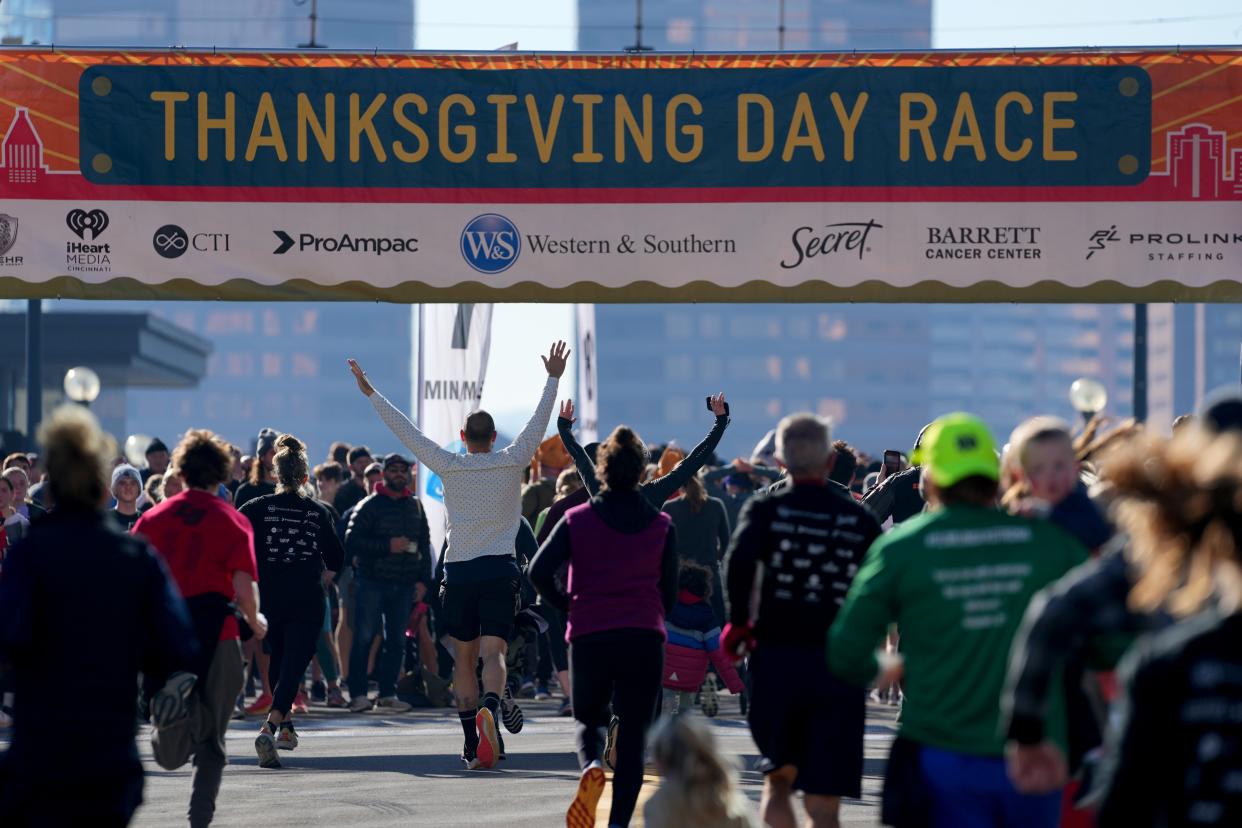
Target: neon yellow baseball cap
x: 955, y: 447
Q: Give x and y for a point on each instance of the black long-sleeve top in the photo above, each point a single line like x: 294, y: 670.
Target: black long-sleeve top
x: 811, y: 542
x: 655, y: 492
x: 77, y: 577
x: 733, y: 503
x: 1176, y: 755
x: 1084, y: 611
x: 897, y: 497
x: 294, y: 542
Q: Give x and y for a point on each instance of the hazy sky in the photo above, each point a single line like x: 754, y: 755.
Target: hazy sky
x: 515, y: 373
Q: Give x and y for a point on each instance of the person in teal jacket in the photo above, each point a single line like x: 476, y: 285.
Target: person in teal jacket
x: 956, y: 581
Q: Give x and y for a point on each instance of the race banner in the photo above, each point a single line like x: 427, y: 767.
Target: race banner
x: 1066, y: 176
x: 453, y: 344
x: 586, y: 399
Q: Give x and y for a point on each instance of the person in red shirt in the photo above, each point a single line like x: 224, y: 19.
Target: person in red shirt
x: 209, y: 550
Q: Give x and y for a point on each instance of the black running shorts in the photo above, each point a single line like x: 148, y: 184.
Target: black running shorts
x: 803, y: 715
x: 471, y: 609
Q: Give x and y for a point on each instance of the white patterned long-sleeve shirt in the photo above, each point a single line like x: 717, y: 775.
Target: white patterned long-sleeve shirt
x: 482, y: 492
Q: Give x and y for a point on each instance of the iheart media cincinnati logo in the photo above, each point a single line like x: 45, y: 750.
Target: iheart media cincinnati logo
x: 87, y: 224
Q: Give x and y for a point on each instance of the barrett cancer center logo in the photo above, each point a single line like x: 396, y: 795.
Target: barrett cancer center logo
x: 490, y: 243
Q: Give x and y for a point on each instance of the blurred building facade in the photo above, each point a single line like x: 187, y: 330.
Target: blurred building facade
x: 755, y: 25
x: 881, y: 371
x: 277, y: 365
x: 237, y: 24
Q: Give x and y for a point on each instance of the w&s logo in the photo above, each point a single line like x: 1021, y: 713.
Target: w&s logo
x: 490, y: 243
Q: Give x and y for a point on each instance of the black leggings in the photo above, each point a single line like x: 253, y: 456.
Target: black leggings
x: 292, y: 645
x: 556, y: 639
x: 625, y: 667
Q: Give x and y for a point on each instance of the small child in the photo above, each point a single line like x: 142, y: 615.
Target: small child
x: 1042, y: 480
x: 1041, y: 471
x: 698, y: 788
x: 693, y: 641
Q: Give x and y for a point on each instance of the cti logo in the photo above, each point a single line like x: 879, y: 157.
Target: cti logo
x: 490, y: 243
x: 170, y: 241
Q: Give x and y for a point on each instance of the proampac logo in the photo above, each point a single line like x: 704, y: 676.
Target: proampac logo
x: 490, y: 243
x: 344, y: 243
x: 87, y: 224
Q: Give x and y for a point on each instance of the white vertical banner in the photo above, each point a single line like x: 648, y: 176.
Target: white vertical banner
x: 453, y: 343
x: 586, y: 402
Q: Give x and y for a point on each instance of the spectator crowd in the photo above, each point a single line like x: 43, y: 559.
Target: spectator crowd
x: 1053, y: 614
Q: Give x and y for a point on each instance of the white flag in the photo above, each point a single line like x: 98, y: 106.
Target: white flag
x: 586, y: 405
x: 453, y: 342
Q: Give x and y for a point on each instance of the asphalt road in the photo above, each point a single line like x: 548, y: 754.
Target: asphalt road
x: 373, y: 770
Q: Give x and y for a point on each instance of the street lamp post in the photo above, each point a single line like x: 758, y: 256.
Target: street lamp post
x: 82, y: 385
x: 136, y: 450
x: 1088, y: 397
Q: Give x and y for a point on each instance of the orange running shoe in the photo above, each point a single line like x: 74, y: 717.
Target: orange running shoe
x: 489, y: 740
x: 299, y: 703
x: 261, y: 705
x: 581, y: 813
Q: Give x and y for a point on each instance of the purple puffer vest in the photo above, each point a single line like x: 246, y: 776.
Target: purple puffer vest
x: 614, y: 577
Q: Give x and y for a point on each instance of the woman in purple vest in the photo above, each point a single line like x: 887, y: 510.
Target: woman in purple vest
x: 622, y: 562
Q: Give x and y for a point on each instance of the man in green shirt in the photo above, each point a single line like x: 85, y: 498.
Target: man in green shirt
x: 956, y: 581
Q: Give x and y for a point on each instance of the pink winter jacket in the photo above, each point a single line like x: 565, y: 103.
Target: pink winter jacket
x: 693, y: 640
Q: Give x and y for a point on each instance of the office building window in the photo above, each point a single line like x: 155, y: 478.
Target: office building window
x: 228, y: 322
x: 271, y: 323
x: 679, y: 368
x: 832, y: 407
x: 831, y: 328
x: 238, y: 364
x: 678, y: 410
x: 307, y: 323
x: 680, y: 31
x: 305, y: 365
x: 710, y: 326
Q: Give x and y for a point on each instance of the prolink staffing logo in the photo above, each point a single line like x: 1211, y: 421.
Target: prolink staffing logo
x: 490, y: 243
x: 1100, y: 239
x: 8, y: 238
x: 83, y: 257
x: 1176, y: 246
